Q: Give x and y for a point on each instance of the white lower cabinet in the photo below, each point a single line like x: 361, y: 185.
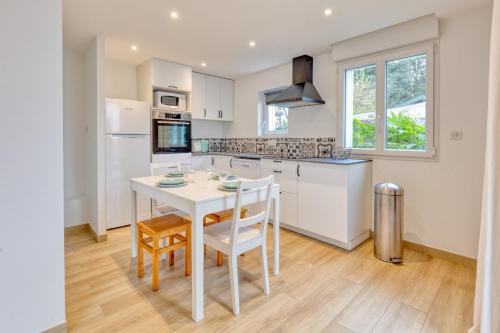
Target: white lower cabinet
x: 223, y: 163
x: 334, y: 202
x: 201, y: 162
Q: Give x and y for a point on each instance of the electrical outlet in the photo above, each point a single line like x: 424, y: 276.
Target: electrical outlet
x: 456, y: 135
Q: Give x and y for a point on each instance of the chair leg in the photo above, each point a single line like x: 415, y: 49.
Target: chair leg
x: 264, y: 268
x: 171, y: 253
x: 155, y: 263
x: 220, y: 259
x: 163, y: 244
x: 140, y: 255
x: 187, y: 269
x: 235, y: 291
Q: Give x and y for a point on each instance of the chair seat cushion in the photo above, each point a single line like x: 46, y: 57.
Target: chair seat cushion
x: 218, y: 236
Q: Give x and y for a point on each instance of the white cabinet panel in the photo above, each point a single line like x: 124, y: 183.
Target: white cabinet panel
x: 286, y: 178
x: 322, y: 200
x: 222, y: 163
x: 227, y: 99
x: 288, y: 208
x: 170, y: 75
x: 198, y: 96
x: 201, y: 163
x: 213, y: 97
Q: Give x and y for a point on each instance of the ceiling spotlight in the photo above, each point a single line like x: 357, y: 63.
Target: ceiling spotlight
x: 203, y: 64
x: 252, y: 44
x: 133, y: 48
x: 174, y: 15
x: 328, y: 12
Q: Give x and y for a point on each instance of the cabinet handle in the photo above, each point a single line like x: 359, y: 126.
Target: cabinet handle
x: 221, y: 114
x: 205, y: 113
x: 213, y: 160
x: 277, y: 161
x: 298, y: 170
x: 231, y: 163
x: 174, y: 87
x: 277, y: 171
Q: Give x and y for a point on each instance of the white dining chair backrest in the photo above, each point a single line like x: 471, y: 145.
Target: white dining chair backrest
x: 157, y: 169
x: 265, y: 184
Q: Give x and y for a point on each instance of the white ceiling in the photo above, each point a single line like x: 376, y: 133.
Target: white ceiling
x: 218, y: 32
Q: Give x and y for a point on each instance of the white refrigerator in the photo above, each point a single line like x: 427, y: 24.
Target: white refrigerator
x: 128, y: 140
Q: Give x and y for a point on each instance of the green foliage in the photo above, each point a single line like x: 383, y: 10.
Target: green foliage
x: 406, y: 81
x: 364, y: 91
x: 363, y: 134
x: 281, y: 123
x: 403, y: 132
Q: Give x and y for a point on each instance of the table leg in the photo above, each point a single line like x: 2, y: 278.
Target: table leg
x: 197, y: 264
x: 276, y: 234
x: 133, y: 223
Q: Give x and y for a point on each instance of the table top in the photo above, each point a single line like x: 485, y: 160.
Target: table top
x: 200, y: 190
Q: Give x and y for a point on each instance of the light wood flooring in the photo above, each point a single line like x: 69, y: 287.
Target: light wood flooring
x: 320, y: 289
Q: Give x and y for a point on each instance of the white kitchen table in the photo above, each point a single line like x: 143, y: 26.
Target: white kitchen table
x: 198, y: 199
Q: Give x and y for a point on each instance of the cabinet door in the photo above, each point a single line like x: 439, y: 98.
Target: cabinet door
x: 213, y: 98
x: 222, y: 163
x: 198, y: 96
x: 201, y: 163
x: 322, y: 200
x: 288, y: 200
x: 227, y: 99
x: 170, y: 75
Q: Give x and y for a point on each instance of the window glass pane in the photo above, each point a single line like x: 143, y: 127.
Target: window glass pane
x: 360, y: 107
x: 406, y: 103
x: 277, y: 118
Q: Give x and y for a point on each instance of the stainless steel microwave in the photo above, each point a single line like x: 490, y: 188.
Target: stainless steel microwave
x: 169, y: 101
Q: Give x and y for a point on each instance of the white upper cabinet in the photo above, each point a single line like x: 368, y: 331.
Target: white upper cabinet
x: 212, y: 97
x: 169, y: 75
x: 166, y: 75
x: 227, y: 99
x: 199, y: 96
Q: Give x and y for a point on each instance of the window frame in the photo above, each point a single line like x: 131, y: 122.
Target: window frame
x: 380, y: 61
x: 263, y: 121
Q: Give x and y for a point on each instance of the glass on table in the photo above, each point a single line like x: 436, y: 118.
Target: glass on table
x: 190, y: 175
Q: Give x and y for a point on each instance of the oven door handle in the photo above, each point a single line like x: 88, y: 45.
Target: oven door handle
x: 174, y: 122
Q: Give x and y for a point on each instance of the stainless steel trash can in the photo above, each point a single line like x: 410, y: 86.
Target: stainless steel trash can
x: 388, y: 233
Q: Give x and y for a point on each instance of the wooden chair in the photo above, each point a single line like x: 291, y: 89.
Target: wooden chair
x: 220, y: 217
x: 162, y: 227
x: 240, y: 235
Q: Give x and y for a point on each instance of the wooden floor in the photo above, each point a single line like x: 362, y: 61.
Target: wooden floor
x: 319, y: 289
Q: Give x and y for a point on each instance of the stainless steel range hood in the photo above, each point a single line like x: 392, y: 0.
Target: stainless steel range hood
x: 302, y: 92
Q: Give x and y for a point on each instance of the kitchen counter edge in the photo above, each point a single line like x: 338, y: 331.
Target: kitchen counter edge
x: 324, y: 160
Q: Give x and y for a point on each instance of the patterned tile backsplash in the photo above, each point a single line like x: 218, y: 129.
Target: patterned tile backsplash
x: 277, y: 147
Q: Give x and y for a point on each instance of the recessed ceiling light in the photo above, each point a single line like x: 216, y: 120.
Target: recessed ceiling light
x: 174, y: 15
x: 328, y: 12
x: 203, y: 64
x: 252, y: 44
x: 133, y: 48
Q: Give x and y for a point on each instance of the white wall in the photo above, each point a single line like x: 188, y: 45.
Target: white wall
x: 207, y: 129
x: 95, y: 138
x: 31, y: 181
x: 443, y: 198
x: 120, y: 80
x: 75, y: 200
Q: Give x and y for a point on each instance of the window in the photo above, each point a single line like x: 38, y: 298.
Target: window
x: 387, y: 103
x: 275, y: 118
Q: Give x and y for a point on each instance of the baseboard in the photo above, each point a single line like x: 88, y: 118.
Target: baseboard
x: 85, y: 227
x: 97, y: 238
x: 450, y: 256
x: 62, y: 328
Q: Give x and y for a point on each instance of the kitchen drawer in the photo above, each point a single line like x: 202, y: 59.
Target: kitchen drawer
x: 286, y: 178
x: 279, y: 165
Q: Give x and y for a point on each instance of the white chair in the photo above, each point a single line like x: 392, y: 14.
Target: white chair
x: 240, y: 235
x: 157, y: 208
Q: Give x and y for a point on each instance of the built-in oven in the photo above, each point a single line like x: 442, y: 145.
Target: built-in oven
x: 171, y: 132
